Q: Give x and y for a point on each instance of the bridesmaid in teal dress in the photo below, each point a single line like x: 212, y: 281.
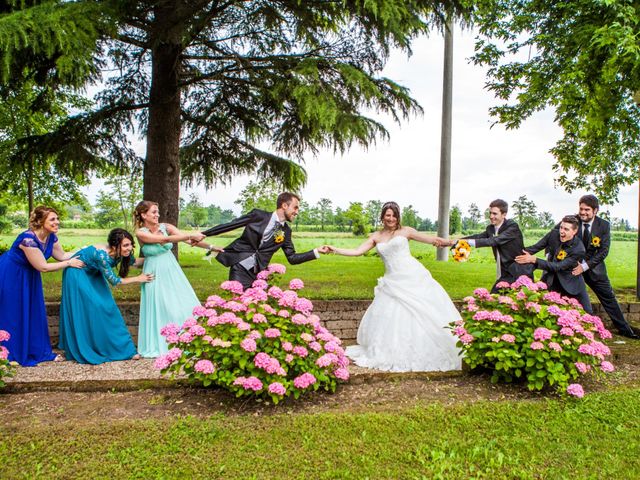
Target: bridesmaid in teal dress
x: 170, y: 298
x: 92, y: 329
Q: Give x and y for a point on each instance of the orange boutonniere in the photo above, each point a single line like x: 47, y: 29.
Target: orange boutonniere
x: 278, y: 236
x: 561, y: 255
x: 595, y: 242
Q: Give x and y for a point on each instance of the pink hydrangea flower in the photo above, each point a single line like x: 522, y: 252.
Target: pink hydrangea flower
x: 289, y: 358
x: 542, y: 333
x: 299, y: 319
x: 189, y: 322
x: 275, y: 292
x: 582, y: 367
x: 533, y: 306
x: 307, y: 337
x: 168, y: 329
x: 507, y: 337
x: 296, y: 284
x: 162, y: 362
x: 495, y: 339
x: 173, y: 338
x: 263, y: 275
x: 272, y: 333
x: 300, y: 351
x: 197, y: 330
x: 277, y: 388
x: 254, y: 334
x: 204, y: 366
x: 243, y: 326
x: 303, y: 381
x: 284, y: 313
x: 287, y: 347
x: 313, y: 319
x: 315, y: 346
x: 215, y: 301
x: 467, y: 339
x: 303, y: 305
x: 341, y: 373
x: 259, y: 283
x: 537, y: 345
x: 482, y: 293
x: 248, y: 345
x: 607, y: 366
x: 327, y: 359
x: 4, y: 335
x: 186, y: 337
x: 567, y: 331
x: 235, y: 306
x: 459, y: 331
x: 232, y: 286
x: 555, y: 346
x: 259, y: 318
x: 331, y: 346
x: 4, y: 353
x: 277, y: 268
x: 521, y: 295
x: 502, y: 285
x: 576, y: 390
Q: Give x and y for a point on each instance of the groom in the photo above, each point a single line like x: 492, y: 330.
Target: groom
x: 264, y: 233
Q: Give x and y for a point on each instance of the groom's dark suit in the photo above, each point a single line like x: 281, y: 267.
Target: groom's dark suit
x: 558, y: 276
x: 596, y: 276
x: 250, y: 243
x: 506, y: 244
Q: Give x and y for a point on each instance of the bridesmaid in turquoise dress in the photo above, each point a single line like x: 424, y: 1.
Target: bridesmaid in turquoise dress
x: 92, y: 329
x: 22, y: 310
x: 170, y: 298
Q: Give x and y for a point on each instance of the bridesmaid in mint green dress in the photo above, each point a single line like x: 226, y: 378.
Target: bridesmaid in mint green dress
x: 92, y: 329
x: 169, y: 298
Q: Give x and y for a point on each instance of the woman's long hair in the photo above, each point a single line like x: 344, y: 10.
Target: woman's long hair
x: 141, y: 207
x: 393, y: 206
x: 114, y: 240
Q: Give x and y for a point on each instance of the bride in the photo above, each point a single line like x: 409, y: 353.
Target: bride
x: 404, y: 327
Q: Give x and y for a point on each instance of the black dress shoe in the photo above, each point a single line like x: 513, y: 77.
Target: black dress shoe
x: 629, y: 334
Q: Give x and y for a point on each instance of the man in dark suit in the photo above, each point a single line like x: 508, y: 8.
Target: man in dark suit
x: 264, y: 234
x: 595, y: 234
x: 564, y: 251
x: 504, y: 237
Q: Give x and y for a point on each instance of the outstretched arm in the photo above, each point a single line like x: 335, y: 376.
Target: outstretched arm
x: 174, y: 236
x: 429, y: 239
x: 354, y: 252
x: 239, y: 222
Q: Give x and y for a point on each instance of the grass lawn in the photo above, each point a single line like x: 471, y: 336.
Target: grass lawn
x: 335, y: 277
x: 596, y: 437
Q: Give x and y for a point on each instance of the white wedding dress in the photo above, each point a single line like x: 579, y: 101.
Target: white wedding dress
x: 403, y: 329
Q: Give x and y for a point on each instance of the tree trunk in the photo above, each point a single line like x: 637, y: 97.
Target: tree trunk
x: 162, y: 163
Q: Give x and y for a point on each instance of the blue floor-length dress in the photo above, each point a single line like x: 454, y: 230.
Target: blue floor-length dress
x: 168, y: 299
x: 92, y: 329
x: 22, y: 310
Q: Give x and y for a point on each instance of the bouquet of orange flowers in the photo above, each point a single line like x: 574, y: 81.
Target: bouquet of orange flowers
x: 461, y: 251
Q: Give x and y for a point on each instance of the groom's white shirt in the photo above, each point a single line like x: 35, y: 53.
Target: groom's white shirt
x: 583, y: 264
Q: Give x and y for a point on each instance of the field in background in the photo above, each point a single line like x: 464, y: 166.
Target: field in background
x: 335, y: 277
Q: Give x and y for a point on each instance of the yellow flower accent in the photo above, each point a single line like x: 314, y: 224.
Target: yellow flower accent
x: 595, y: 242
x: 278, y: 237
x: 461, y: 251
x: 561, y: 255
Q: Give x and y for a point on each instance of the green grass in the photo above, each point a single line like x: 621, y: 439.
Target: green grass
x: 596, y: 437
x: 335, y: 277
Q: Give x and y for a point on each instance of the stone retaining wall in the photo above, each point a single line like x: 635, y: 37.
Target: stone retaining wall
x: 341, y: 317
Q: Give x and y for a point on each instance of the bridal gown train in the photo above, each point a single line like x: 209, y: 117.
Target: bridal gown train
x: 404, y: 327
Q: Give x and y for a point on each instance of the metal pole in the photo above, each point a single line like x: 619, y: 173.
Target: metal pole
x: 445, y: 141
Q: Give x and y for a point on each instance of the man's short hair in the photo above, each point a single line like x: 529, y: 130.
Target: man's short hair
x: 285, y: 197
x: 572, y: 220
x: 501, y: 205
x: 590, y: 201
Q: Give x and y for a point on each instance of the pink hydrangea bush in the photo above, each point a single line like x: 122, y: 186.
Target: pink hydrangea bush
x: 529, y: 333
x: 264, y: 342
x: 6, y: 368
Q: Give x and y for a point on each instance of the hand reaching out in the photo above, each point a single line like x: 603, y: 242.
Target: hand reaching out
x: 525, y: 258
x: 325, y: 249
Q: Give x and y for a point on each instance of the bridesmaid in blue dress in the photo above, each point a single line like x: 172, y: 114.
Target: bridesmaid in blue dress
x: 92, y: 329
x: 170, y: 298
x: 22, y: 310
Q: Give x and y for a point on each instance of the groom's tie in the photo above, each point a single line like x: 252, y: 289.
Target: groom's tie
x: 586, y: 235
